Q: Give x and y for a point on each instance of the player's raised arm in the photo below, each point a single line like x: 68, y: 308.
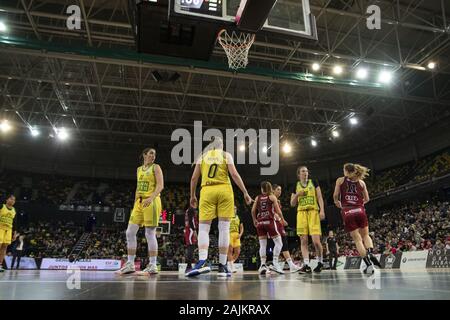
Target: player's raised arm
x: 194, y: 181
x: 237, y: 178
x: 337, y: 193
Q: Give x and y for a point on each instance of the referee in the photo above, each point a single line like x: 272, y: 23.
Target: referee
x: 332, y: 250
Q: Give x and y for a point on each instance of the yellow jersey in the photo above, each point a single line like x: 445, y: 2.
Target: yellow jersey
x: 7, y: 217
x: 146, y: 181
x: 309, y: 200
x: 214, y: 168
x: 235, y: 224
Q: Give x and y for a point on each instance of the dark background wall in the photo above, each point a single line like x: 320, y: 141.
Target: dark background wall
x: 46, y: 156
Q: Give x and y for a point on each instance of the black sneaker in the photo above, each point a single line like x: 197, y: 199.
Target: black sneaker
x: 305, y: 269
x: 334, y: 268
x: 223, y: 271
x: 319, y: 268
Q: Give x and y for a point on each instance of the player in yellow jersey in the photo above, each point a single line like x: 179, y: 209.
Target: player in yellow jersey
x: 146, y: 211
x: 216, y: 201
x: 236, y: 232
x: 7, y: 214
x: 310, y: 210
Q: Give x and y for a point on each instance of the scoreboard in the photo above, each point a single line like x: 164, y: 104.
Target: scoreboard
x: 215, y: 9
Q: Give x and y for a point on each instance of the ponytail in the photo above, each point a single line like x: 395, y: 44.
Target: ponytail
x: 266, y: 186
x: 357, y: 171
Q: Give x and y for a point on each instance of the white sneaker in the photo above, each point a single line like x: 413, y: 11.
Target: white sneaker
x: 127, y: 268
x: 276, y: 268
x: 151, y: 269
x: 262, y: 269
x: 294, y: 268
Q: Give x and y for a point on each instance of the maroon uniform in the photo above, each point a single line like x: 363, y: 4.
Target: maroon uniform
x: 265, y: 216
x: 352, y: 200
x: 280, y: 225
x: 190, y: 226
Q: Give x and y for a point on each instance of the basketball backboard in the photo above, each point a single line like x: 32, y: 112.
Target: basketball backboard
x: 289, y: 17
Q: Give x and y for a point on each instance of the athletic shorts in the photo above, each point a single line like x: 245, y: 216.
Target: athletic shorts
x: 354, y: 218
x: 267, y: 228
x: 5, y: 236
x: 235, y: 241
x: 146, y: 217
x: 308, y: 223
x: 216, y: 201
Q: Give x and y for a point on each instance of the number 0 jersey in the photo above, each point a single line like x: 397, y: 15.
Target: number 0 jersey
x: 214, y: 168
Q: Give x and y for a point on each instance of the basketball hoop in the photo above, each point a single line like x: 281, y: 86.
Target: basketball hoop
x: 236, y: 46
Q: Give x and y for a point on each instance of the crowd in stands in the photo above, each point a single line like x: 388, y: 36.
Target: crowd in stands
x: 415, y: 226
x: 48, y: 239
x: 75, y: 191
x: 409, y: 227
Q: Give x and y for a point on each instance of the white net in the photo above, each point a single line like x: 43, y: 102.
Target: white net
x: 236, y: 46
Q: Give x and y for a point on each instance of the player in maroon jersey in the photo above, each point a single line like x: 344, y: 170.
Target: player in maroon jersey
x: 281, y: 224
x: 265, y: 212
x: 350, y: 195
x: 190, y: 235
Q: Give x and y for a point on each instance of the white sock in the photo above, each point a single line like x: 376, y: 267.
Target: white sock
x: 131, y: 240
x: 203, y: 240
x: 223, y: 258
x: 153, y: 260
x: 306, y: 262
x: 262, y: 250
x: 275, y: 262
x: 320, y: 259
x: 290, y: 263
x: 224, y: 240
x: 276, y: 250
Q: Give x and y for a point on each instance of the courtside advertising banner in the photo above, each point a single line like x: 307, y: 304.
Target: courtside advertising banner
x: 438, y: 258
x: 25, y: 263
x: 92, y: 264
x: 353, y: 263
x: 414, y: 260
x: 391, y: 261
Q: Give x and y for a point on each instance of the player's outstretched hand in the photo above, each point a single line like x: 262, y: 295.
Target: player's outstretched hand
x: 193, y: 202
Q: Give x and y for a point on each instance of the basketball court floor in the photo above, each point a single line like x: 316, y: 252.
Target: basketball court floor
x: 329, y: 285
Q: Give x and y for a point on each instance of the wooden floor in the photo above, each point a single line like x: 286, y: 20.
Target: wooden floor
x: 35, y: 284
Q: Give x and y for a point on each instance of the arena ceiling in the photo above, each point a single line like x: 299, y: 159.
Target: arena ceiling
x: 109, y: 102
